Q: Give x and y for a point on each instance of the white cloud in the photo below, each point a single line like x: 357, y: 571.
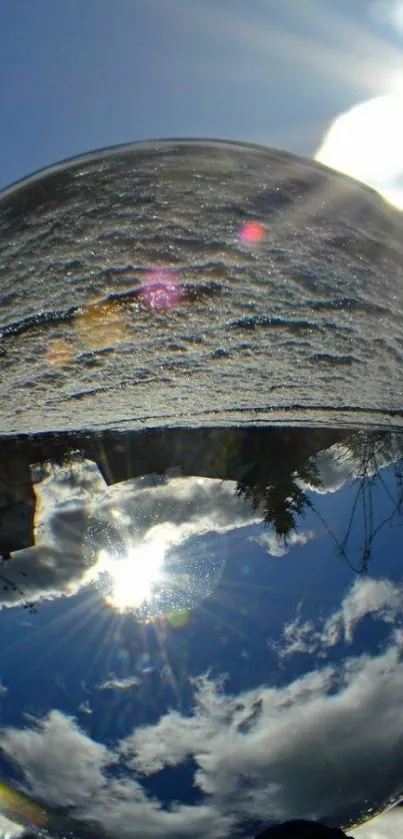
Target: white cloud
x: 367, y: 596
x: 3, y: 689
x: 85, y: 708
x: 78, y: 515
x: 9, y: 829
x: 335, y: 467
x: 278, y: 547
x: 280, y: 740
x: 299, y: 636
x: 61, y: 765
x: 389, y: 825
x: 319, y: 747
x: 119, y: 684
x: 64, y: 768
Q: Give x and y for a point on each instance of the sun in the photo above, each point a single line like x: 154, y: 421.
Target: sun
x: 129, y: 581
x: 366, y: 142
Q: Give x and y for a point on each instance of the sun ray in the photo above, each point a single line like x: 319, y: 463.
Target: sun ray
x: 167, y: 665
x: 104, y: 630
x: 68, y: 616
x: 75, y: 628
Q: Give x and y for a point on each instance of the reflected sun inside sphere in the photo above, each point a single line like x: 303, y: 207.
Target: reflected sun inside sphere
x: 129, y: 581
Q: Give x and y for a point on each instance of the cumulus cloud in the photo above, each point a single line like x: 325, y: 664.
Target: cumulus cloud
x: 278, y: 547
x: 78, y: 515
x: 293, y: 745
x: 367, y: 597
x: 3, y: 689
x: 61, y: 765
x: 55, y: 746
x: 336, y: 467
x: 319, y: 747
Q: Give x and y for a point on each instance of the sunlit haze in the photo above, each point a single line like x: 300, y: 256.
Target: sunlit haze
x: 366, y: 143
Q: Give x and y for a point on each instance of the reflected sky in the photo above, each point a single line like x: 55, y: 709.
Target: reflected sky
x: 156, y: 628
x: 244, y: 665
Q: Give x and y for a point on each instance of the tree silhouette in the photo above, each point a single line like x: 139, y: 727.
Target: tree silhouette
x: 369, y: 453
x: 274, y: 465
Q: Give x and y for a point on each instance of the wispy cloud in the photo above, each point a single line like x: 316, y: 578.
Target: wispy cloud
x: 380, y: 598
x: 85, y: 708
x: 119, y: 684
x: 278, y: 547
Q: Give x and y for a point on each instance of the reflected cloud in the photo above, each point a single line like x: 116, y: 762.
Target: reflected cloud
x: 257, y: 755
x: 10, y: 828
x: 277, y: 547
x: 141, y: 541
x: 248, y: 728
x: 120, y: 684
x: 124, y: 538
x: 85, y: 708
x: 380, y: 599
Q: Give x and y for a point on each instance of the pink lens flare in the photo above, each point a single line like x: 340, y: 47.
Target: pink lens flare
x: 251, y: 232
x: 162, y: 289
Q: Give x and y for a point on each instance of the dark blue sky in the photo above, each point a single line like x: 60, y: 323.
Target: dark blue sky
x: 59, y: 656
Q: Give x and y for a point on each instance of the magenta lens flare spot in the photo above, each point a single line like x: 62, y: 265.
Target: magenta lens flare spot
x: 251, y: 232
x: 162, y: 290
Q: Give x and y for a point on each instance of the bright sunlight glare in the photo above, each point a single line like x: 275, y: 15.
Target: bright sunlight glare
x: 128, y: 581
x: 366, y: 143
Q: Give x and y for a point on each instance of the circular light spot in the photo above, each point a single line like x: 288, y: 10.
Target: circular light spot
x: 147, y: 575
x: 251, y: 232
x: 161, y: 289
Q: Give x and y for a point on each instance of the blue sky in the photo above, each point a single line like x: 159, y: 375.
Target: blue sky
x: 286, y: 627
x: 77, y: 76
